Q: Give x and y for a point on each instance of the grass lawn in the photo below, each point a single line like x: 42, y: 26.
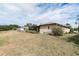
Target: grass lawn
x: 21, y: 43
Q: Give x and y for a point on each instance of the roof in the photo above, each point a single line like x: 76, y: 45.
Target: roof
x: 53, y: 24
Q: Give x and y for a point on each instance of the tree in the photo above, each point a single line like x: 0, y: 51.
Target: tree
x: 13, y: 26
x: 28, y: 25
x: 8, y: 27
x: 77, y: 22
x: 68, y: 25
x: 31, y: 26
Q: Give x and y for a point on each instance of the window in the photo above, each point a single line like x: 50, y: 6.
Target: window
x: 48, y: 27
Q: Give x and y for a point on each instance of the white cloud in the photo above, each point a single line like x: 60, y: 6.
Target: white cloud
x: 18, y: 11
x: 11, y: 7
x: 31, y: 13
x: 61, y: 15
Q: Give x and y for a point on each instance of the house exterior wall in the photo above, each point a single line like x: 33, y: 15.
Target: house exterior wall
x: 45, y: 30
x: 48, y: 29
x: 66, y: 30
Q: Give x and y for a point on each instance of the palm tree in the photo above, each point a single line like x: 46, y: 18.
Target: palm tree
x: 77, y: 22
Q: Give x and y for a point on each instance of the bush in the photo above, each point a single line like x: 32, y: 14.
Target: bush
x: 74, y: 39
x: 31, y: 31
x: 57, y: 31
x: 78, y: 29
x: 71, y: 30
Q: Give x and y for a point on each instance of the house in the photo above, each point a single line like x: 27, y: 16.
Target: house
x: 47, y: 28
x: 22, y: 28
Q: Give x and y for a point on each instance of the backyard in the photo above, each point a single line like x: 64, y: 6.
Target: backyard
x: 28, y: 44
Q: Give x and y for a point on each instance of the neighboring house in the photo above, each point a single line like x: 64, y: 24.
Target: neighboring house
x: 75, y: 31
x: 26, y: 27
x: 47, y: 28
x: 21, y: 29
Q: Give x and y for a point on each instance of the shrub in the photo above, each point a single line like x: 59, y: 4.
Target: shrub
x: 78, y: 29
x: 57, y: 31
x: 31, y: 31
x: 74, y: 39
x: 71, y: 30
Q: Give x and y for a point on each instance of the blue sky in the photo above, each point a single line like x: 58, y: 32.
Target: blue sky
x: 38, y: 13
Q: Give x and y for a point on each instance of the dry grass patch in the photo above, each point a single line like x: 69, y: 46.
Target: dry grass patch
x: 21, y: 43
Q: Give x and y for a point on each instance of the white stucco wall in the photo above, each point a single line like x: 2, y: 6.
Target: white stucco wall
x: 45, y: 30
x: 66, y: 30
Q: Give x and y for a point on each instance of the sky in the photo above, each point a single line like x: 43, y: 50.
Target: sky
x: 38, y: 13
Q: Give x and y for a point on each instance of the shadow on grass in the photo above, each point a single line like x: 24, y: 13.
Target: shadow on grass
x: 74, y: 39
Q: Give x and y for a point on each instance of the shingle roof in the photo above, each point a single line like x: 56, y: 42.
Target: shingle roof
x: 53, y: 24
